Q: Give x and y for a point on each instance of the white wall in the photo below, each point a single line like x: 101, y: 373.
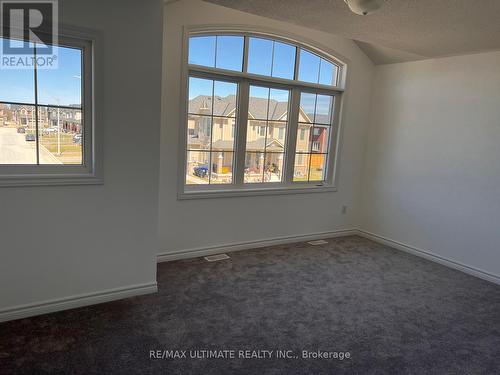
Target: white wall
x: 432, y: 171
x: 184, y: 225
x: 58, y: 242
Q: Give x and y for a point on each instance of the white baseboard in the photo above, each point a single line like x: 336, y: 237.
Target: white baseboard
x: 431, y: 256
x: 210, y: 250
x: 45, y: 307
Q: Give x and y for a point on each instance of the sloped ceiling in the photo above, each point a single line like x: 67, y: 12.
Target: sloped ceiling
x: 403, y: 30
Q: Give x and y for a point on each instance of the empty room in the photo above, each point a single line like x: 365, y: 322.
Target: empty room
x: 250, y: 187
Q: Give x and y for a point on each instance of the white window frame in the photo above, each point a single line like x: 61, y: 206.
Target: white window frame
x: 244, y: 80
x: 90, y: 172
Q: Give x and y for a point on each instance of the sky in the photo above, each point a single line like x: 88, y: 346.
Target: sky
x: 265, y: 57
x: 57, y: 86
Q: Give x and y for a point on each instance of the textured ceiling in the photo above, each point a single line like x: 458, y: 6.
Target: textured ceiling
x: 403, y: 30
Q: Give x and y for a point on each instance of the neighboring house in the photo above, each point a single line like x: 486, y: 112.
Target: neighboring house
x: 72, y: 125
x: 211, y: 138
x: 23, y: 115
x: 5, y: 115
x: 69, y: 119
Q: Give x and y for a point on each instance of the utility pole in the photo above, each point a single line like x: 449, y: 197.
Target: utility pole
x: 58, y: 131
x: 58, y: 127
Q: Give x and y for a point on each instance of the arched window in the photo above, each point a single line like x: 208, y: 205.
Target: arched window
x: 261, y: 114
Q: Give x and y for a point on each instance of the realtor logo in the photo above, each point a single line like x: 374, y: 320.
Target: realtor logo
x: 29, y: 33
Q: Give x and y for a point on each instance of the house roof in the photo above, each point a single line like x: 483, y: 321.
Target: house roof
x: 202, y: 104
x: 225, y: 106
x: 257, y: 145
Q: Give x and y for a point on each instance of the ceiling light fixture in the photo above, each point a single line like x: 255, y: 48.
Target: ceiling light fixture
x: 364, y: 7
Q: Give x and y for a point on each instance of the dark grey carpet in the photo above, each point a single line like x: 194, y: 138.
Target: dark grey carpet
x: 395, y: 314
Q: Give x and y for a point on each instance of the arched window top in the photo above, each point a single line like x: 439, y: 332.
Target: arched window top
x: 263, y: 55
x: 262, y: 114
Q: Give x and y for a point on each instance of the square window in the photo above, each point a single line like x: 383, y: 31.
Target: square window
x: 281, y: 133
x: 302, y: 134
x: 46, y: 129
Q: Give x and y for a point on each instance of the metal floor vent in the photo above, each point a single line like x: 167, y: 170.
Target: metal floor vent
x: 216, y: 257
x: 317, y: 242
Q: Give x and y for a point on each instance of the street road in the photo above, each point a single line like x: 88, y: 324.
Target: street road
x: 14, y: 149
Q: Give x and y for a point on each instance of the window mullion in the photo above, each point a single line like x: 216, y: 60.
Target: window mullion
x: 297, y: 62
x: 241, y: 133
x: 334, y: 141
x: 246, y: 42
x: 293, y: 123
x: 35, y: 83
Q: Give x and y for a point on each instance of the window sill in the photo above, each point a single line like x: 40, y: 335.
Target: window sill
x: 253, y: 191
x: 49, y: 180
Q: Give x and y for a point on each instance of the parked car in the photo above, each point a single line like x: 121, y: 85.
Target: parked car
x: 201, y: 171
x: 30, y: 137
x: 77, y: 138
x: 21, y: 130
x: 50, y: 130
